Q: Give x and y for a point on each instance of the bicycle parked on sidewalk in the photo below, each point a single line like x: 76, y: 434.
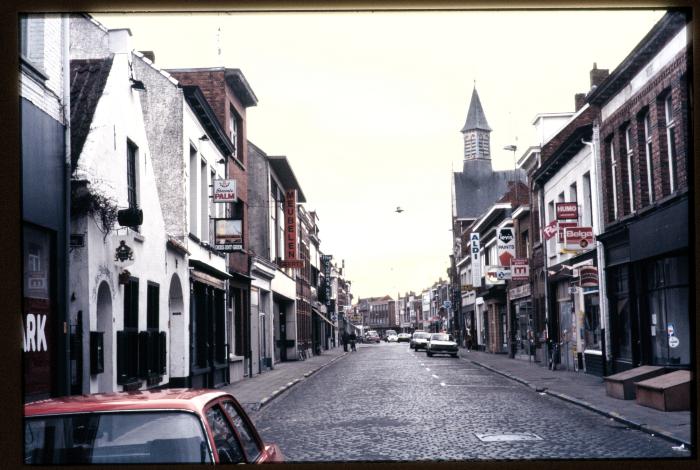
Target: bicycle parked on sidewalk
x: 301, y: 353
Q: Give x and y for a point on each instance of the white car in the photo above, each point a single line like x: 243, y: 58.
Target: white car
x: 441, y: 343
x: 392, y: 338
x: 419, y: 340
x: 404, y: 337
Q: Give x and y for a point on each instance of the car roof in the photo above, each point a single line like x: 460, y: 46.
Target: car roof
x: 172, y: 398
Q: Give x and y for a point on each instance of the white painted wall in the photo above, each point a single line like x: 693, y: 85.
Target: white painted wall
x: 45, y: 53
x: 103, y: 162
x: 571, y: 172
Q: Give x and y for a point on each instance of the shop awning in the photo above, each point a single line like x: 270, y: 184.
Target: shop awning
x: 323, y: 317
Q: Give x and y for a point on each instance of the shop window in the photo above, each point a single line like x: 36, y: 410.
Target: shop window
x: 668, y: 310
x: 591, y: 327
x: 620, y: 313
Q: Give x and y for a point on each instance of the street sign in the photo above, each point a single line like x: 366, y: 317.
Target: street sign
x: 447, y: 304
x: 520, y: 269
x: 673, y: 342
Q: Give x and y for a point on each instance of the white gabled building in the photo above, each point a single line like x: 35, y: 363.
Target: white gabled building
x: 126, y: 277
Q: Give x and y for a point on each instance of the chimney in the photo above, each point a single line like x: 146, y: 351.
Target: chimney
x: 598, y: 75
x: 120, y: 41
x: 150, y: 55
x: 579, y: 100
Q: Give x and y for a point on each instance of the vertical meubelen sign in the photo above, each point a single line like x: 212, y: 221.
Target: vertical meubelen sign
x: 290, y: 225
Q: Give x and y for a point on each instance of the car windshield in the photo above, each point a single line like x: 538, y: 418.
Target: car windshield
x: 420, y: 335
x: 440, y: 337
x: 127, y: 437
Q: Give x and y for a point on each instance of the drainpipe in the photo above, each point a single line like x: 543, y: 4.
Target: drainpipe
x: 546, y: 277
x: 600, y: 250
x: 64, y: 370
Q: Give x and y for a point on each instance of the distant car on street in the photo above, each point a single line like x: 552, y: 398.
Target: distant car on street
x: 143, y: 427
x: 372, y: 337
x: 404, y: 337
x: 392, y: 339
x: 419, y: 340
x: 441, y: 343
x: 388, y: 334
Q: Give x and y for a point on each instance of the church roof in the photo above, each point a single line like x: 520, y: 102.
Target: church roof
x: 476, y: 119
x: 478, y: 187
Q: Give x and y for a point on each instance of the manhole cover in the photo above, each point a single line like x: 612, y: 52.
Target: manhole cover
x: 507, y: 437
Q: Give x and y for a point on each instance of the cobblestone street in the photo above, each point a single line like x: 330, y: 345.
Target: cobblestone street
x: 388, y: 403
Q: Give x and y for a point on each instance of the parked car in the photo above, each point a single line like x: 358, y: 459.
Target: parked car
x: 389, y: 333
x: 404, y: 337
x: 372, y: 337
x: 160, y: 426
x: 419, y: 340
x: 441, y: 343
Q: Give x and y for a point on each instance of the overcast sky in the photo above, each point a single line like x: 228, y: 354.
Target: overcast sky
x: 368, y: 108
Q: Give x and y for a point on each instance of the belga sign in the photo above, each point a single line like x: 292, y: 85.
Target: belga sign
x: 577, y: 238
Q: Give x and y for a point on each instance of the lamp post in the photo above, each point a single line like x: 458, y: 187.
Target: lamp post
x: 513, y: 339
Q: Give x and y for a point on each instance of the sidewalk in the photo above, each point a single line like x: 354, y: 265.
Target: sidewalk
x: 587, y: 391
x: 258, y: 391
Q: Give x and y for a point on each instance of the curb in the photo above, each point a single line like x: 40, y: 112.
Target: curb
x: 289, y: 385
x: 610, y: 414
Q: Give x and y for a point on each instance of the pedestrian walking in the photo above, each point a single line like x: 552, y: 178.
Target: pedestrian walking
x: 468, y: 340
x: 353, y: 338
x: 344, y: 339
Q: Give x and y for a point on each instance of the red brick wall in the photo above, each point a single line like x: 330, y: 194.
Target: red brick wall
x: 672, y: 79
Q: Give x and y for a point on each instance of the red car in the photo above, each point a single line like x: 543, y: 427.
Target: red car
x: 161, y: 426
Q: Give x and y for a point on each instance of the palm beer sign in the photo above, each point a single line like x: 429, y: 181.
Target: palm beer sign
x: 224, y: 190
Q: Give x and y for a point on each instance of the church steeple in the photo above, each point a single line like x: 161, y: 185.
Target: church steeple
x: 476, y: 131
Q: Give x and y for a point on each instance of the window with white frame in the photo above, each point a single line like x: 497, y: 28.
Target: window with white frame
x: 649, y: 159
x: 630, y: 155
x: 587, y: 205
x: 233, y: 130
x: 671, y: 140
x: 204, y: 202
x: 193, y: 176
x: 613, y: 174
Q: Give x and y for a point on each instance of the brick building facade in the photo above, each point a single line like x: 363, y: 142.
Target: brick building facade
x: 644, y: 143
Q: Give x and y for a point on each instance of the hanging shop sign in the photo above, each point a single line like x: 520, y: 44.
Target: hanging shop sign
x: 577, y: 238
x: 567, y: 211
x: 588, y: 276
x: 520, y: 269
x: 224, y: 190
x: 563, y: 226
x: 228, y: 235
x: 550, y: 230
x: 476, y: 262
x: 327, y: 285
x: 123, y: 254
x: 290, y: 225
x: 496, y: 275
x: 505, y: 246
x: 292, y: 263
